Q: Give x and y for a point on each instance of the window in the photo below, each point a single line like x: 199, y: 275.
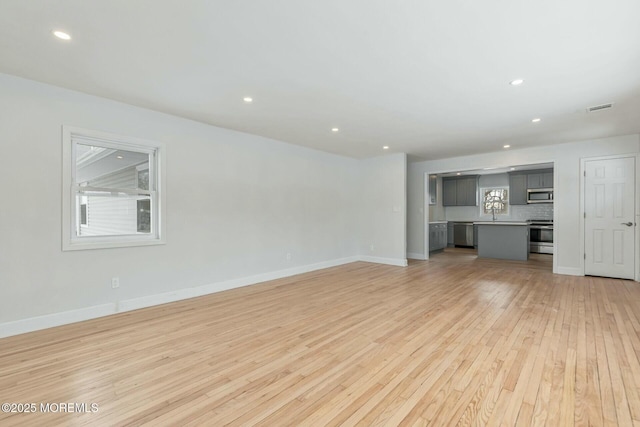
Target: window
x: 495, y: 201
x: 112, y: 193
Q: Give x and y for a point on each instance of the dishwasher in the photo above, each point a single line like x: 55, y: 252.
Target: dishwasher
x: 463, y: 234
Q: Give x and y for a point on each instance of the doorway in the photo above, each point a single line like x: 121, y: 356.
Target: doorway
x: 511, y: 183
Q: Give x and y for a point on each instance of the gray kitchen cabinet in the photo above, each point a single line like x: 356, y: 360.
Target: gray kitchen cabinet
x: 467, y: 192
x: 432, y: 237
x: 437, y: 237
x: 517, y: 189
x: 449, y: 193
x: 503, y: 240
x: 450, y: 234
x: 460, y: 191
x: 433, y: 188
x: 534, y: 180
x: 475, y: 236
x: 540, y: 179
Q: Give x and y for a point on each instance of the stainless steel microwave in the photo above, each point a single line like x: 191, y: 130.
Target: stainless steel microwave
x: 540, y: 195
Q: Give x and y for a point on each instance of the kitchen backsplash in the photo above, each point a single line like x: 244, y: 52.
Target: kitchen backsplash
x: 538, y: 211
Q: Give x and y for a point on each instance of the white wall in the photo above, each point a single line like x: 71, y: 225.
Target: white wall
x: 236, y: 205
x: 383, y: 221
x: 566, y: 188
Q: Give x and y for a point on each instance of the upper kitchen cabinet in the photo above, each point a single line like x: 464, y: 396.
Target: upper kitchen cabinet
x: 433, y: 189
x: 449, y: 193
x: 540, y: 179
x: 518, y: 189
x: 520, y: 182
x: 467, y: 189
x: 460, y: 191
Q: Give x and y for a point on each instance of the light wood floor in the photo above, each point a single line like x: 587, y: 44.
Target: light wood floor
x: 453, y: 340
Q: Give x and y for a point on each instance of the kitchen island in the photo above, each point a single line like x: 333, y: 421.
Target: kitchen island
x: 503, y: 240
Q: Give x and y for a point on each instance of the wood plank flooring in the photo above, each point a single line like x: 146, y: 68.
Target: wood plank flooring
x: 451, y: 341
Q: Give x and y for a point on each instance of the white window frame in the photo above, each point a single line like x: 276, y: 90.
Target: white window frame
x: 70, y: 240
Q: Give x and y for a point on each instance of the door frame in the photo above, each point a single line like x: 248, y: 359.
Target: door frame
x: 583, y: 189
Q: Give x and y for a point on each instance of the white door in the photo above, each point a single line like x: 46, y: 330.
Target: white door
x: 609, y: 217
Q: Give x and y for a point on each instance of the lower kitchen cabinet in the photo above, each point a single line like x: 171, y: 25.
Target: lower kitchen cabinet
x: 437, y: 236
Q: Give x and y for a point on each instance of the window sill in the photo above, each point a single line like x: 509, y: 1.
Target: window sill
x: 108, y: 244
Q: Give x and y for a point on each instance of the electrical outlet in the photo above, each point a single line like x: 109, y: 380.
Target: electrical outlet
x: 288, y: 256
x: 115, y: 282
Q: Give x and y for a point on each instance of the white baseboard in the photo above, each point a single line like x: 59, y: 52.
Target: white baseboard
x: 56, y: 319
x: 181, y: 294
x: 569, y: 271
x: 400, y: 262
x: 63, y: 318
x: 416, y: 255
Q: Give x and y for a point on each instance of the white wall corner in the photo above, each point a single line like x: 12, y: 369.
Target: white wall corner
x: 416, y: 255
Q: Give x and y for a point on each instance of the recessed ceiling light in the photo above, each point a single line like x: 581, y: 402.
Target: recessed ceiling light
x: 536, y: 120
x: 386, y: 147
x: 506, y: 146
x: 512, y: 169
x: 119, y: 157
x: 334, y: 129
x: 247, y: 99
x: 516, y: 82
x: 61, y: 35
x: 458, y: 173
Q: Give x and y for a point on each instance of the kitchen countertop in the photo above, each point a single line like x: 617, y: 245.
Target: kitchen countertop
x: 438, y: 222
x: 500, y: 223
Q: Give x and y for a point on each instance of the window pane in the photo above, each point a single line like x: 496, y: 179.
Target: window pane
x: 109, y: 215
x: 495, y: 201
x: 110, y: 168
x: 143, y: 178
x: 144, y: 216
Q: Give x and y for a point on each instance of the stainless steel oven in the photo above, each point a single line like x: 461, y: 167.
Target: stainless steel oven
x: 541, y: 236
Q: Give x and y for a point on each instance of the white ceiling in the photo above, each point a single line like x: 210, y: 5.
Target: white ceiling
x: 429, y: 78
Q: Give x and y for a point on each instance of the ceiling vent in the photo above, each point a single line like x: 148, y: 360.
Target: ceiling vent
x: 599, y: 108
